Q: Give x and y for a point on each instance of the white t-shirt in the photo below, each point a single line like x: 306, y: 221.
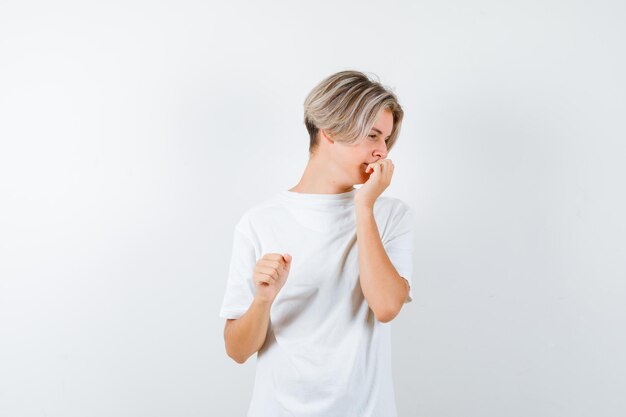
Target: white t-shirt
x: 325, y: 353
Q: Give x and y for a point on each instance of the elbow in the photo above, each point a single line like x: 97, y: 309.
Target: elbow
x: 390, y: 312
x: 387, y: 315
x: 235, y: 354
x: 383, y: 319
x: 240, y: 359
x: 387, y: 312
x: 231, y: 348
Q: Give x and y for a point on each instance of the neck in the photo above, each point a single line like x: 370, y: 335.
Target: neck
x: 319, y: 178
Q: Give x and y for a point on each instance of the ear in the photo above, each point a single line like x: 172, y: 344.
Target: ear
x: 326, y: 136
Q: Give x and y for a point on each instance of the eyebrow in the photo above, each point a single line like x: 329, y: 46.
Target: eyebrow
x: 380, y: 132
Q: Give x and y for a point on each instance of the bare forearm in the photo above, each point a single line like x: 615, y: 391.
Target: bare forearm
x: 384, y: 289
x: 246, y: 335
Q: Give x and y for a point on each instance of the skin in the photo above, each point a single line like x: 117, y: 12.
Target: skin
x: 333, y: 168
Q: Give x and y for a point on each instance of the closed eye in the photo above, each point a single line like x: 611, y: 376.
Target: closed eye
x: 374, y: 136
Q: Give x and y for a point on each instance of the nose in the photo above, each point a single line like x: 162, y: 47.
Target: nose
x: 381, y: 151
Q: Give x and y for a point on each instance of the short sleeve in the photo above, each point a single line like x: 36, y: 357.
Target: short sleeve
x: 239, y: 285
x: 399, y: 246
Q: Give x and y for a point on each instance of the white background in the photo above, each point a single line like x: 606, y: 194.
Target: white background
x: 134, y: 135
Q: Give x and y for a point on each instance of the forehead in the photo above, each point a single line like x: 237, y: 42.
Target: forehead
x: 384, y: 122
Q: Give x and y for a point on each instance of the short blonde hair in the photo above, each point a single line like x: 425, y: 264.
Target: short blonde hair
x: 345, y: 106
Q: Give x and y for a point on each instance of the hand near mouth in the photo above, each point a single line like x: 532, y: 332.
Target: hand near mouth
x: 380, y: 178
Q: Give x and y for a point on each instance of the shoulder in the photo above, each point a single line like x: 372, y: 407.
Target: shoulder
x: 392, y: 207
x: 393, y: 216
x: 258, y: 213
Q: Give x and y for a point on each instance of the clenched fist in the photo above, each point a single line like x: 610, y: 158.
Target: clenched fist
x: 270, y: 274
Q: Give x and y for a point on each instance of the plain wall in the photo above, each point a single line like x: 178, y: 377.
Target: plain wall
x: 133, y: 135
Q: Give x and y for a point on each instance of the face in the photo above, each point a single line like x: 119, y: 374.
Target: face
x: 351, y: 159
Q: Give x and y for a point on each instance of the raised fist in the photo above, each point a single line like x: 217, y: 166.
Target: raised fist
x: 270, y: 274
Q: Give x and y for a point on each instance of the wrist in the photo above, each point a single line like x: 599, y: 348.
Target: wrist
x: 364, y: 207
x: 263, y: 302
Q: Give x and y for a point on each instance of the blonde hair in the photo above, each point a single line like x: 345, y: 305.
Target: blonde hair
x: 345, y: 106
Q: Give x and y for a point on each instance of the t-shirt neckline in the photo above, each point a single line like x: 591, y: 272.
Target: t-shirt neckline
x: 325, y: 199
